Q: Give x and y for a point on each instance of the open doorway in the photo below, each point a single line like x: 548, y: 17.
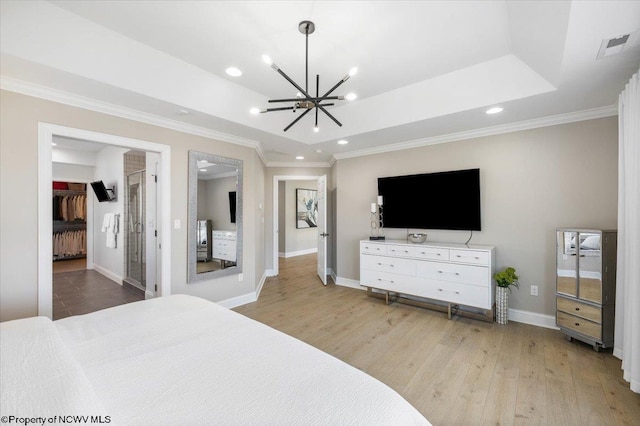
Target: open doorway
x: 299, y: 208
x: 106, y: 257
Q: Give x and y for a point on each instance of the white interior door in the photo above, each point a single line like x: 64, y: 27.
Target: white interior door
x: 322, y: 229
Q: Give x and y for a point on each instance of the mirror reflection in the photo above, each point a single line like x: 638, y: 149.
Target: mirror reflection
x: 215, y: 216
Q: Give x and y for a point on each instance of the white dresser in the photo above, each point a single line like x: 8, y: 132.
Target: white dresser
x: 453, y: 273
x: 224, y: 245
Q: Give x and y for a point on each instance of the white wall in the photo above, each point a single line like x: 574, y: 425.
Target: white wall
x: 72, y: 173
x: 532, y: 182
x: 110, y: 170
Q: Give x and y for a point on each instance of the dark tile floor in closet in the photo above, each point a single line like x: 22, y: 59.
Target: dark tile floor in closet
x: 83, y: 291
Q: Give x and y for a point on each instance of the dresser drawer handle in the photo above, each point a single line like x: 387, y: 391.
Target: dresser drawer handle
x: 385, y: 264
x: 577, y: 309
x: 389, y: 281
x: 448, y: 291
x: 577, y: 324
x: 472, y: 257
x: 452, y: 273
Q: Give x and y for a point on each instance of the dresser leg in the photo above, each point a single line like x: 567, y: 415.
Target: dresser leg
x: 449, y: 310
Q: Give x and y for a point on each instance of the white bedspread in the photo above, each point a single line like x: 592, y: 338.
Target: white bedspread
x: 183, y: 360
x: 38, y: 375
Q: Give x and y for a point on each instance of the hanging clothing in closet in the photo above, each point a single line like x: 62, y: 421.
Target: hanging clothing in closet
x: 69, y: 243
x: 70, y: 207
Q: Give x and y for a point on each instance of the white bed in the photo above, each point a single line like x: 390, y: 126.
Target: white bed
x: 184, y: 360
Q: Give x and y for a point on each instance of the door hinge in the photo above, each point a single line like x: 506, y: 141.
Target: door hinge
x: 155, y: 178
x: 155, y: 233
x: 155, y: 287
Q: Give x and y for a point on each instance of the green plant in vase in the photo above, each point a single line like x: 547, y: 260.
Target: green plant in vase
x: 504, y: 280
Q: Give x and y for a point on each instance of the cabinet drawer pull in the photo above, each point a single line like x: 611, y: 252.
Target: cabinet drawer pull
x: 445, y: 272
x: 448, y: 291
x: 389, y: 281
x: 385, y: 264
x: 577, y: 324
x: 577, y: 309
x: 471, y: 257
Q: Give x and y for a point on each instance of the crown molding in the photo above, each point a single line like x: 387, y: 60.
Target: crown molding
x: 31, y: 89
x: 298, y: 164
x: 589, y: 114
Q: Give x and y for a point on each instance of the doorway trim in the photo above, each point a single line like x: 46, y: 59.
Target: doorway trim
x: 46, y: 132
x: 276, y: 230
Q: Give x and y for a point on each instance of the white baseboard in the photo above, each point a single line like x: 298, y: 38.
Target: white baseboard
x: 107, y: 273
x: 148, y: 294
x: 346, y: 282
x: 533, y: 318
x: 270, y: 273
x: 238, y: 300
x: 297, y: 253
x: 334, y: 277
x: 260, y: 284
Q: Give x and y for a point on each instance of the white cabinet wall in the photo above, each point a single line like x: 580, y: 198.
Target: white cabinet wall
x: 454, y: 273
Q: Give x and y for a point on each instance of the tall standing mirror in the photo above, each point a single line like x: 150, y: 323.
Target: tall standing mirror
x: 215, y: 216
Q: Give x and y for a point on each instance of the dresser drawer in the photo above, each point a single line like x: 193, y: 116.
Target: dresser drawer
x: 432, y: 253
x: 389, y: 264
x: 451, y: 272
x: 475, y: 257
x: 391, y: 282
x: 579, y: 309
x: 401, y: 251
x: 580, y: 325
x: 373, y: 248
x: 457, y: 293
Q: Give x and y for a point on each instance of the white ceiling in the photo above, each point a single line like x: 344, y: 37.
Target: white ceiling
x: 427, y: 70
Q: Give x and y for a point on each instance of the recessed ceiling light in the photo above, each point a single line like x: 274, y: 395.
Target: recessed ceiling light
x: 353, y: 71
x: 203, y: 170
x: 343, y: 142
x: 183, y: 112
x: 318, y: 151
x: 299, y: 157
x: 254, y: 110
x: 233, y: 72
x: 494, y: 110
x: 316, y: 129
x: 351, y: 97
x: 53, y: 143
x: 267, y: 59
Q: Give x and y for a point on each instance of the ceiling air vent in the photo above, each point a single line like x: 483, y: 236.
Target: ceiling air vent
x: 613, y: 46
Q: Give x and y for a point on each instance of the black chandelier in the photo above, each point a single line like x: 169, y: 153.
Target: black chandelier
x: 305, y: 101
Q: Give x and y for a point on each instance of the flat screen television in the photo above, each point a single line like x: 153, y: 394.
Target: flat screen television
x: 102, y: 193
x: 444, y: 200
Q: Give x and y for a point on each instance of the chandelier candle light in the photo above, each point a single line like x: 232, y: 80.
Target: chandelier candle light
x: 304, y: 100
x: 377, y: 221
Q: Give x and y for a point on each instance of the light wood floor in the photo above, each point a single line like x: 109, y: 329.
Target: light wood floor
x: 456, y: 372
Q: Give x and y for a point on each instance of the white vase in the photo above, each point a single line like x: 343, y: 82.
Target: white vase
x: 502, y: 305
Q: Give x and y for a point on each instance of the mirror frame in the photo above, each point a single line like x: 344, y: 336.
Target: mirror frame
x: 192, y: 256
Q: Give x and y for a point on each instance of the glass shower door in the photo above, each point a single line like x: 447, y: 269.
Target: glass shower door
x: 136, y: 273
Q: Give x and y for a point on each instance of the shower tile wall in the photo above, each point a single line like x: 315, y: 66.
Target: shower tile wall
x: 133, y: 162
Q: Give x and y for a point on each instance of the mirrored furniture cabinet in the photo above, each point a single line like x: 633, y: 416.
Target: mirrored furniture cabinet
x: 586, y: 285
x: 204, y: 231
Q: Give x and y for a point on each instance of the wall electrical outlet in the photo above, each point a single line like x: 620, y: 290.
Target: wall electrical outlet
x: 534, y: 290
